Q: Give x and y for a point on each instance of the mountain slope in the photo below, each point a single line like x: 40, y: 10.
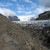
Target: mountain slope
x: 44, y: 16
x: 14, y: 37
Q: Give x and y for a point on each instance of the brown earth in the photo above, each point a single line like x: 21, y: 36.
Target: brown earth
x: 14, y: 37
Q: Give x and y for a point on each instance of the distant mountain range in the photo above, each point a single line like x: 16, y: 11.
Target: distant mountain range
x: 42, y: 16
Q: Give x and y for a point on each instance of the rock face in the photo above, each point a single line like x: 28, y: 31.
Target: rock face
x: 13, y: 18
x: 44, y: 16
x: 14, y: 37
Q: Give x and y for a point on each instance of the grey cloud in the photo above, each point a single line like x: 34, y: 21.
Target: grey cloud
x: 46, y: 3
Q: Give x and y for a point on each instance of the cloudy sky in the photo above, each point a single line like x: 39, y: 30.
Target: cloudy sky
x: 24, y: 9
